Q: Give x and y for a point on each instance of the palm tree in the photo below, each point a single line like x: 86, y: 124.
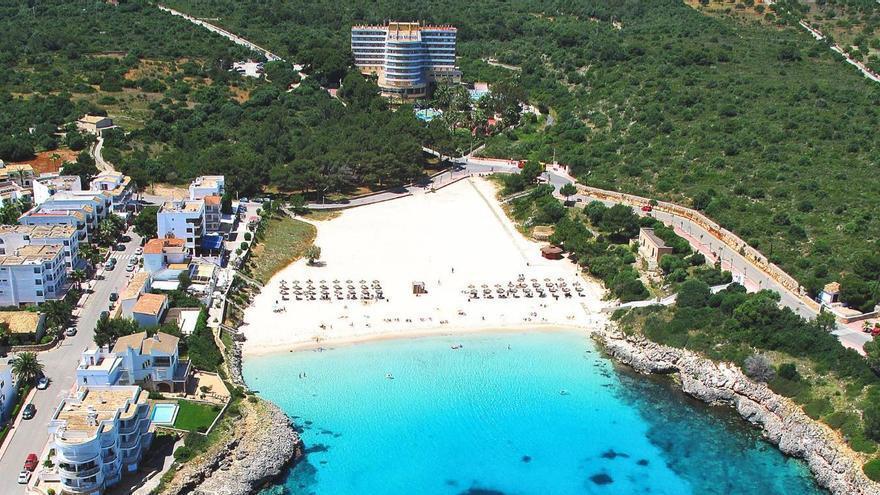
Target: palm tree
x: 90, y: 254
x: 313, y: 253
x: 78, y: 277
x: 26, y: 367
x: 57, y: 313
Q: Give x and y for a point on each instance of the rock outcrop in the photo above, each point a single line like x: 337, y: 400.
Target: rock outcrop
x: 263, y: 444
x: 834, y: 465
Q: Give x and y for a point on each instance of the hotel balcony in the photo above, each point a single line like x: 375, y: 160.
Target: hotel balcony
x: 69, y: 471
x: 71, y: 486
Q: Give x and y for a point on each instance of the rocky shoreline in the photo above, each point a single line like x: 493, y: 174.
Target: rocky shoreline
x: 833, y: 464
x: 262, y: 445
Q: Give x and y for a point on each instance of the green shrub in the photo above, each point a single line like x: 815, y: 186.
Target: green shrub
x: 817, y: 407
x: 872, y: 469
x: 183, y: 453
x: 788, y: 371
x: 787, y: 387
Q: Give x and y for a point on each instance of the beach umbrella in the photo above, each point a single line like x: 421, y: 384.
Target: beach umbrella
x: 363, y: 281
x: 336, y: 281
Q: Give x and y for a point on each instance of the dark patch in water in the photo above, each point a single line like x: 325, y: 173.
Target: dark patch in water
x: 323, y: 462
x: 611, y: 454
x: 326, y: 432
x: 481, y: 491
x: 527, y: 458
x: 642, y: 462
x: 451, y: 483
x: 318, y: 447
x: 601, y: 479
x: 307, y: 422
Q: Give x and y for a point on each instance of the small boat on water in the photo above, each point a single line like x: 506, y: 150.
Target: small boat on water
x: 457, y: 346
x: 389, y: 376
x: 563, y: 392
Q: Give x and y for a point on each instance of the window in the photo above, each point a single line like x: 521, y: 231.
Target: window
x: 39, y: 293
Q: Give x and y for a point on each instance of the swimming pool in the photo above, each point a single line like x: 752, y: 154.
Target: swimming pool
x: 164, y: 414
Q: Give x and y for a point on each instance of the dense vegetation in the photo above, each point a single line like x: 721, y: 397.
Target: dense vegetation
x: 807, y: 363
x: 66, y: 58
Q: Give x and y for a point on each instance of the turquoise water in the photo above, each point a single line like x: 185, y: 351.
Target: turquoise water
x: 546, y: 415
x: 163, y: 413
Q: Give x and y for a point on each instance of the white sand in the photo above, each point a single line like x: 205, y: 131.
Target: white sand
x: 418, y: 238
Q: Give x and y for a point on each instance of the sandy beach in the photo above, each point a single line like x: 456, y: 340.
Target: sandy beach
x: 453, y: 241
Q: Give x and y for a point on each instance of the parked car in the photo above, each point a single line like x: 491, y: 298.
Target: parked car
x: 129, y: 268
x: 113, y: 260
x: 113, y: 296
x: 875, y: 332
x: 24, y: 477
x: 139, y: 251
x: 647, y: 208
x: 70, y: 332
x: 108, y: 265
x: 31, y: 462
x: 42, y: 383
x: 104, y: 314
x: 30, y: 411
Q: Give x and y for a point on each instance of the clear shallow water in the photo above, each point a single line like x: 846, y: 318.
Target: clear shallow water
x: 549, y: 415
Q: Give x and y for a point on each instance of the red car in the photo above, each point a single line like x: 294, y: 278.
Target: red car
x: 875, y: 331
x: 647, y: 208
x: 31, y: 462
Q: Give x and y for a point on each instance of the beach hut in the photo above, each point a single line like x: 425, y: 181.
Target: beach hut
x: 418, y: 288
x: 552, y: 252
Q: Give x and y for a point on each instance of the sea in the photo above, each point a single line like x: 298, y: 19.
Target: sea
x: 540, y: 412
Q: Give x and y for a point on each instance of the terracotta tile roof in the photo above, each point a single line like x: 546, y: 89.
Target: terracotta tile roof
x: 212, y: 200
x: 157, y: 246
x: 138, y: 281
x: 150, y: 304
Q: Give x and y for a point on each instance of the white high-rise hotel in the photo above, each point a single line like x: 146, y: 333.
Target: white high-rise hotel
x: 406, y: 56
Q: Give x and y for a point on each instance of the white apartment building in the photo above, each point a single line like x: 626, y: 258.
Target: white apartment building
x: 43, y: 216
x: 8, y: 392
x: 207, y: 185
x: 152, y: 362
x: 117, y: 186
x: 32, y: 274
x: 98, y: 433
x: 48, y: 185
x: 13, y: 237
x: 95, y: 205
x: 182, y: 220
x: 159, y: 254
x: 11, y: 192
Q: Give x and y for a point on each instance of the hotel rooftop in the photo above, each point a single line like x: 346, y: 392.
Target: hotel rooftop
x: 187, y: 206
x: 81, y: 415
x: 40, y: 231
x: 32, y: 255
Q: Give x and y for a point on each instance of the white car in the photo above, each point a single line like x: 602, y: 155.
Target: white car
x: 70, y: 332
x: 139, y: 251
x: 23, y: 477
x: 42, y: 383
x: 129, y: 268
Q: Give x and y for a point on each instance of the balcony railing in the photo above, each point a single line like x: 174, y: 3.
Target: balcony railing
x: 81, y: 473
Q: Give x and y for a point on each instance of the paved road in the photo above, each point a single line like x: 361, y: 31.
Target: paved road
x: 743, y: 271
x: 100, y: 163
x: 222, y: 32
x: 60, y: 366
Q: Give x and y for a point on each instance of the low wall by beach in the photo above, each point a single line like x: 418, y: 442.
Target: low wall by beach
x: 733, y: 241
x: 833, y: 464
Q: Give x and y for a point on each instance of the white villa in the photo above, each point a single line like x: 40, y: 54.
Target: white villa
x: 207, y: 185
x: 152, y: 362
x: 117, y: 186
x: 96, y: 433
